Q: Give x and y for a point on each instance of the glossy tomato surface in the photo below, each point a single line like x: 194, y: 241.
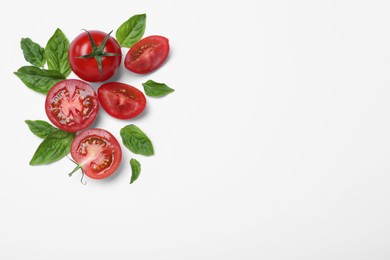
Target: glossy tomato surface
x: 147, y: 55
x: 97, y: 151
x: 121, y: 100
x: 72, y: 105
x: 87, y: 68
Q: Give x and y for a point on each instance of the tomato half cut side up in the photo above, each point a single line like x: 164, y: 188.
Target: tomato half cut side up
x: 97, y: 152
x: 120, y: 100
x: 147, y: 55
x: 72, y: 105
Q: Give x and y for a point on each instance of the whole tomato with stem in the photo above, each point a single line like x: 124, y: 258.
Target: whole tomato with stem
x: 94, y: 56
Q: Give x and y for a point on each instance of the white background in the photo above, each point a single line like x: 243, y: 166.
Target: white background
x: 275, y: 144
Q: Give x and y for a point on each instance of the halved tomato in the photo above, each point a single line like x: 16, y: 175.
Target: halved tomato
x: 97, y: 152
x: 147, y: 55
x: 121, y: 100
x: 72, y: 105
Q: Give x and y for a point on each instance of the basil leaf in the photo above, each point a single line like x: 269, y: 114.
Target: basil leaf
x: 37, y: 79
x: 155, y: 89
x: 33, y: 52
x: 135, y: 170
x: 131, y: 31
x: 55, y: 146
x: 57, y: 53
x: 136, y: 140
x: 40, y: 128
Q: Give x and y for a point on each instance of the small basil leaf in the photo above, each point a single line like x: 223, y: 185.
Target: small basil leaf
x: 131, y: 31
x: 57, y: 53
x: 136, y: 140
x: 33, y: 52
x: 55, y: 146
x: 135, y: 170
x: 40, y: 128
x: 155, y: 89
x: 37, y: 79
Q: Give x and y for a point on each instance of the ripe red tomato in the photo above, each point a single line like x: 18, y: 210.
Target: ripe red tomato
x: 97, y: 152
x: 121, y: 100
x: 92, y: 59
x: 72, y: 105
x: 147, y: 55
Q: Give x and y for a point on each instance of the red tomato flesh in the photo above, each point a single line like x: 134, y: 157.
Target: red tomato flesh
x: 72, y: 105
x: 97, y: 152
x: 121, y: 100
x: 147, y: 55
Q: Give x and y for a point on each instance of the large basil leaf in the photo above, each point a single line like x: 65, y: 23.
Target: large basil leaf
x: 55, y: 146
x: 136, y: 140
x: 57, y: 53
x: 131, y: 31
x: 37, y: 79
x: 33, y: 52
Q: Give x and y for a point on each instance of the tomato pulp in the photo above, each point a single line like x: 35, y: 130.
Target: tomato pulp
x: 147, y: 55
x: 72, y: 105
x: 121, y: 100
x: 97, y: 152
x: 84, y: 55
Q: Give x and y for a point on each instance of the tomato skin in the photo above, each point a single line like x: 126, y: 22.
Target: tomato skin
x: 147, y: 55
x: 72, y: 105
x: 87, y: 68
x: 120, y: 100
x: 97, y: 151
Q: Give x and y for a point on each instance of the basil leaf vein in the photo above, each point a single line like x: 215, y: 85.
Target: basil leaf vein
x: 37, y: 79
x: 53, y: 148
x: 40, y: 128
x: 57, y: 53
x: 131, y: 31
x: 136, y: 140
x: 33, y: 52
x: 155, y: 89
x: 135, y: 169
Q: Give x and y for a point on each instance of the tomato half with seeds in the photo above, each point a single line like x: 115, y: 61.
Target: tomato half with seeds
x: 94, y: 56
x: 147, y: 55
x: 121, y: 100
x: 97, y: 152
x: 72, y: 105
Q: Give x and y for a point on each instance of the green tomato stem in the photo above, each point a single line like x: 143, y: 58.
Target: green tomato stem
x: 78, y: 167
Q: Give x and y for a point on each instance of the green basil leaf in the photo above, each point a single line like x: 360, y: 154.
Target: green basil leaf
x: 136, y: 140
x: 57, y: 53
x: 37, y: 79
x: 40, y: 128
x: 33, y: 52
x: 131, y: 31
x: 135, y: 170
x: 55, y: 146
x: 155, y: 89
